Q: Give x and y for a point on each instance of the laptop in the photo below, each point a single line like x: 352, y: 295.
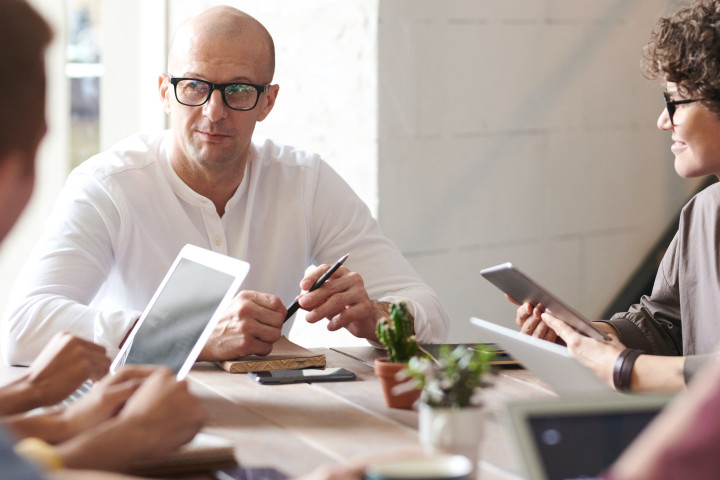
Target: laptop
x: 568, y: 438
x: 182, y: 313
x: 552, y: 363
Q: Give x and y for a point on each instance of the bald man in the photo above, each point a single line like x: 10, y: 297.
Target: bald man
x: 124, y: 215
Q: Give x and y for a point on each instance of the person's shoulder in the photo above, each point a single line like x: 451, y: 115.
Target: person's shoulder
x: 702, y: 208
x: 710, y: 194
x: 132, y: 153
x: 269, y: 152
x: 708, y: 197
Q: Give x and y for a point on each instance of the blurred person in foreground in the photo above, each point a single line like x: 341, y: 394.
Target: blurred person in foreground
x: 126, y: 417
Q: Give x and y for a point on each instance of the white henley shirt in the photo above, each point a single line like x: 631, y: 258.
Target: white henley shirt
x: 124, y: 214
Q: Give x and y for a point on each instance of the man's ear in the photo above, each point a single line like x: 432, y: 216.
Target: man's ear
x: 165, y: 88
x: 268, y: 102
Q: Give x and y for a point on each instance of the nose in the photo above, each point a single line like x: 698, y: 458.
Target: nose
x: 663, y: 121
x: 214, y: 108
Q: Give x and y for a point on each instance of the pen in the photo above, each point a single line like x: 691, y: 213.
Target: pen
x: 295, y: 305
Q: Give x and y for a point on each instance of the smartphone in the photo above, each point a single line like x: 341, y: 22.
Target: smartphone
x: 522, y: 288
x: 305, y: 375
x: 244, y: 473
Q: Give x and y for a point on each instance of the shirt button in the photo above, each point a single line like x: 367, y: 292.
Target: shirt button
x: 218, y: 241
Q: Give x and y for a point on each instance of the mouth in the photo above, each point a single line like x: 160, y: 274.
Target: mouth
x: 678, y: 146
x: 212, y: 136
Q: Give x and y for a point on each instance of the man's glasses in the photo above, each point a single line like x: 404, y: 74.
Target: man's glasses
x: 671, y: 105
x: 237, y: 96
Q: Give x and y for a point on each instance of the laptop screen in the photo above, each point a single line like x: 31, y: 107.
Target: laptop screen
x: 580, y: 446
x: 571, y: 438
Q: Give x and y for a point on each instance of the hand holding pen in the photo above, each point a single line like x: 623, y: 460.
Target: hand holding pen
x: 292, y: 308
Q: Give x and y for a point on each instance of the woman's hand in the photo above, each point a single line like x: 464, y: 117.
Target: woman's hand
x: 598, y: 356
x: 528, y: 318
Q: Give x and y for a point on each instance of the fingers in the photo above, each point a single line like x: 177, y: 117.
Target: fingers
x: 64, y: 364
x: 529, y: 319
x: 343, y: 290
x: 314, y: 274
x: 562, y: 329
x: 155, y: 405
x: 511, y: 300
x: 342, y: 299
x: 250, y: 326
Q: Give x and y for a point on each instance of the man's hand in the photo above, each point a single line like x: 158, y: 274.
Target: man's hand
x: 250, y: 326
x: 342, y: 299
x: 63, y: 365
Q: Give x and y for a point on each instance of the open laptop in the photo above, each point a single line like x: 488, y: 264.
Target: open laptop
x: 567, y: 438
x: 552, y: 363
x: 182, y: 313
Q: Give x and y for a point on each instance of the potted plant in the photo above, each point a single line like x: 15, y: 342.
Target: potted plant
x: 396, y: 334
x: 451, y: 417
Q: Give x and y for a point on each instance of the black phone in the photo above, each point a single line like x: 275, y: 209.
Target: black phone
x: 306, y: 375
x: 243, y: 473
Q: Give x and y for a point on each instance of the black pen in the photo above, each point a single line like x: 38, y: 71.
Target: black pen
x: 295, y: 305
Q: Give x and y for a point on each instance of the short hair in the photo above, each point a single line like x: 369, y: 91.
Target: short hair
x: 684, y: 48
x: 24, y: 36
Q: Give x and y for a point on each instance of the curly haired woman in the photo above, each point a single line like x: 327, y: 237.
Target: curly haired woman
x: 661, y: 341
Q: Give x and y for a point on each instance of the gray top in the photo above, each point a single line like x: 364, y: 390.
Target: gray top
x: 680, y: 317
x: 14, y: 466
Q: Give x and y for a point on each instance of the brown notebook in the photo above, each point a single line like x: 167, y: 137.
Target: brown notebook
x: 204, y: 452
x: 285, y: 355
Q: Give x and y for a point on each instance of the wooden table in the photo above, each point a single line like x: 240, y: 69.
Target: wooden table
x: 296, y: 428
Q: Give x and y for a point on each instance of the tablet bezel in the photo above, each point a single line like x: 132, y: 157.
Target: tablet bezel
x: 216, y: 261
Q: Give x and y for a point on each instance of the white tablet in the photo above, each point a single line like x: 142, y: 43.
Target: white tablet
x: 182, y: 313
x: 522, y: 289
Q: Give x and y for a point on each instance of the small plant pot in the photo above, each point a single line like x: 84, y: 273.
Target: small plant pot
x: 387, y: 372
x: 452, y: 430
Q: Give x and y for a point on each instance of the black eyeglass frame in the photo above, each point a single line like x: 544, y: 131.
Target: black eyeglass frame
x: 671, y: 105
x: 221, y: 88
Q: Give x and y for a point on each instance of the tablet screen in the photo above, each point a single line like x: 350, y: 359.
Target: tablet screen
x: 177, y: 319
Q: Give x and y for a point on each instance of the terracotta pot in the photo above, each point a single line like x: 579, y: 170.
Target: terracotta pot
x: 387, y: 372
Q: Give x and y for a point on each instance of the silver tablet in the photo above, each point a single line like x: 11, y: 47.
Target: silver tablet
x: 522, y: 289
x: 182, y: 313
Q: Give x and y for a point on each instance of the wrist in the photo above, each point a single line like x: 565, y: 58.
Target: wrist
x: 623, y: 368
x: 20, y: 396
x: 40, y: 453
x: 112, y: 445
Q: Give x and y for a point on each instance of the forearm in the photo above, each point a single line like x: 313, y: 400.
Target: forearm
x: 653, y: 373
x: 50, y: 427
x: 18, y: 397
x: 113, y: 445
